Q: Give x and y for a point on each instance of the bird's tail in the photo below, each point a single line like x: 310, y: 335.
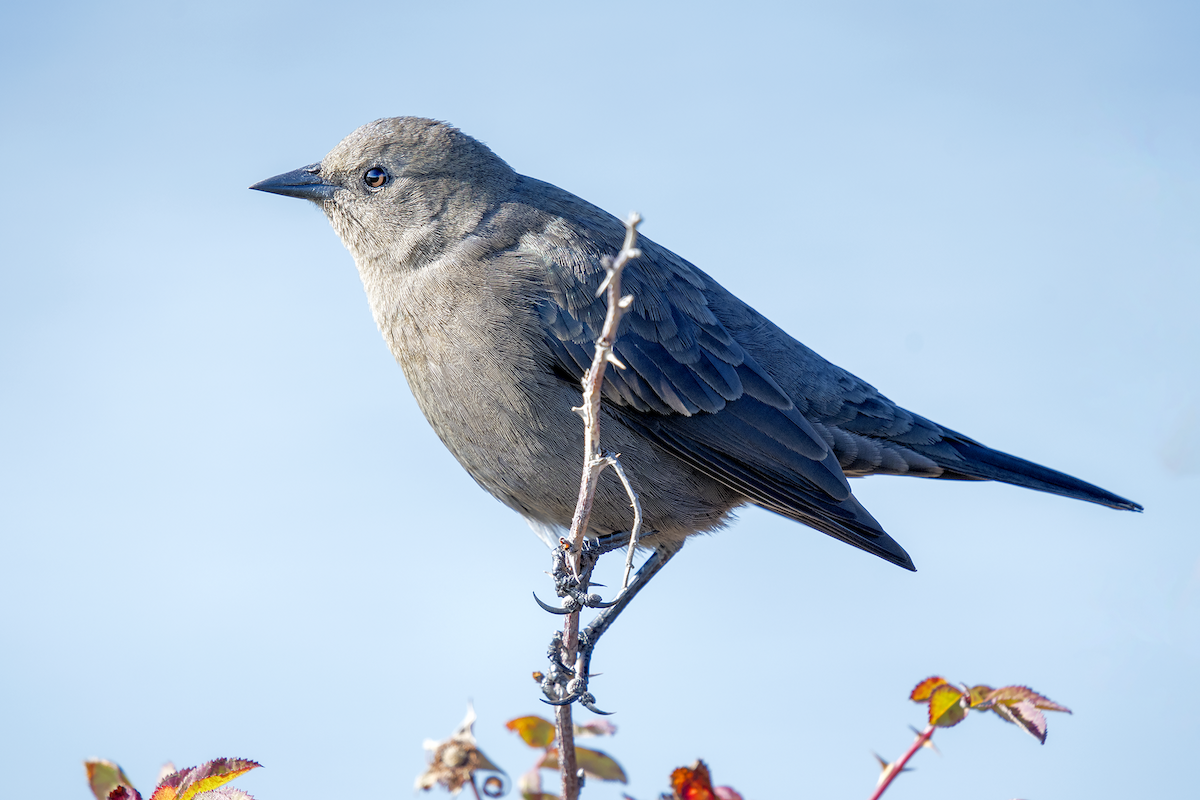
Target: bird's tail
x: 983, y: 463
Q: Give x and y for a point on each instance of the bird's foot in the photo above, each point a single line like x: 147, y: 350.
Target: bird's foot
x: 561, y: 684
x: 564, y: 684
x: 571, y: 584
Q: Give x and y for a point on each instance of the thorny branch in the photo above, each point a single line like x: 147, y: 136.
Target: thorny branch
x: 593, y: 464
x: 890, y: 771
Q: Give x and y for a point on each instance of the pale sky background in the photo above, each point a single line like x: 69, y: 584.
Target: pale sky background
x: 228, y: 531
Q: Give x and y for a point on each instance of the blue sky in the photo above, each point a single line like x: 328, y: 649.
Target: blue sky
x: 225, y: 529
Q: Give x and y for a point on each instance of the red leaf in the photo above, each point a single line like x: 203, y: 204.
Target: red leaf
x: 924, y: 689
x: 693, y: 783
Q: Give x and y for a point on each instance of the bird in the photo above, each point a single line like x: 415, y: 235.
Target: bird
x: 483, y: 283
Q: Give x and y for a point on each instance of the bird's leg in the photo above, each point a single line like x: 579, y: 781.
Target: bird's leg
x: 650, y: 567
x: 568, y: 685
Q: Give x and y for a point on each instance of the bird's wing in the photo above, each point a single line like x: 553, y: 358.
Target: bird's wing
x: 689, y: 386
x: 727, y: 391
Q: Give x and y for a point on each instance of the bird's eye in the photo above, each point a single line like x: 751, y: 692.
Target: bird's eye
x: 375, y: 177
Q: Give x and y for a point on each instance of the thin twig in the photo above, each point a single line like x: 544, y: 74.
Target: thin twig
x: 593, y: 464
x: 896, y: 767
x: 593, y: 383
x: 637, y: 516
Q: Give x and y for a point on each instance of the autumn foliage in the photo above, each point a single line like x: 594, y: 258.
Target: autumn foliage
x: 1020, y: 705
x: 205, y: 782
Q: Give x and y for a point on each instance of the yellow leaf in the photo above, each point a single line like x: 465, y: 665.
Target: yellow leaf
x: 187, y: 783
x: 536, y: 731
x: 946, y: 707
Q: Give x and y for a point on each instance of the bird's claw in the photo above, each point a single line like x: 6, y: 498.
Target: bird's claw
x: 572, y: 586
x: 589, y: 702
x: 572, y: 684
x: 585, y: 599
x: 575, y: 601
x: 586, y: 699
x: 569, y: 608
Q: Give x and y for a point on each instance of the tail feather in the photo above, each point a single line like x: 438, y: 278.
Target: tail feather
x: 983, y: 463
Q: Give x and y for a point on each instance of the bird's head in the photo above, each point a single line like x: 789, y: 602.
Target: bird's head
x: 397, y: 190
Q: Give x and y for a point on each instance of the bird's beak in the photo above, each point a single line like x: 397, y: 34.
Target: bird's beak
x: 305, y: 183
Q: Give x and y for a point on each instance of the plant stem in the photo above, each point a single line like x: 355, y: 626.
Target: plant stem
x: 567, y: 766
x: 593, y: 464
x: 896, y: 767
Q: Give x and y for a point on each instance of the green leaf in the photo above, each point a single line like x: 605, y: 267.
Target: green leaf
x: 593, y: 762
x: 979, y: 694
x: 535, y: 731
x: 104, y: 776
x: 599, y: 765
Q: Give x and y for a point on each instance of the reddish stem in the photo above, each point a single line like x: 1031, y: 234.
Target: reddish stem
x: 896, y: 767
x: 567, y: 765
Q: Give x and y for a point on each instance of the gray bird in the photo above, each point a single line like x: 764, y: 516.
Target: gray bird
x: 483, y: 283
